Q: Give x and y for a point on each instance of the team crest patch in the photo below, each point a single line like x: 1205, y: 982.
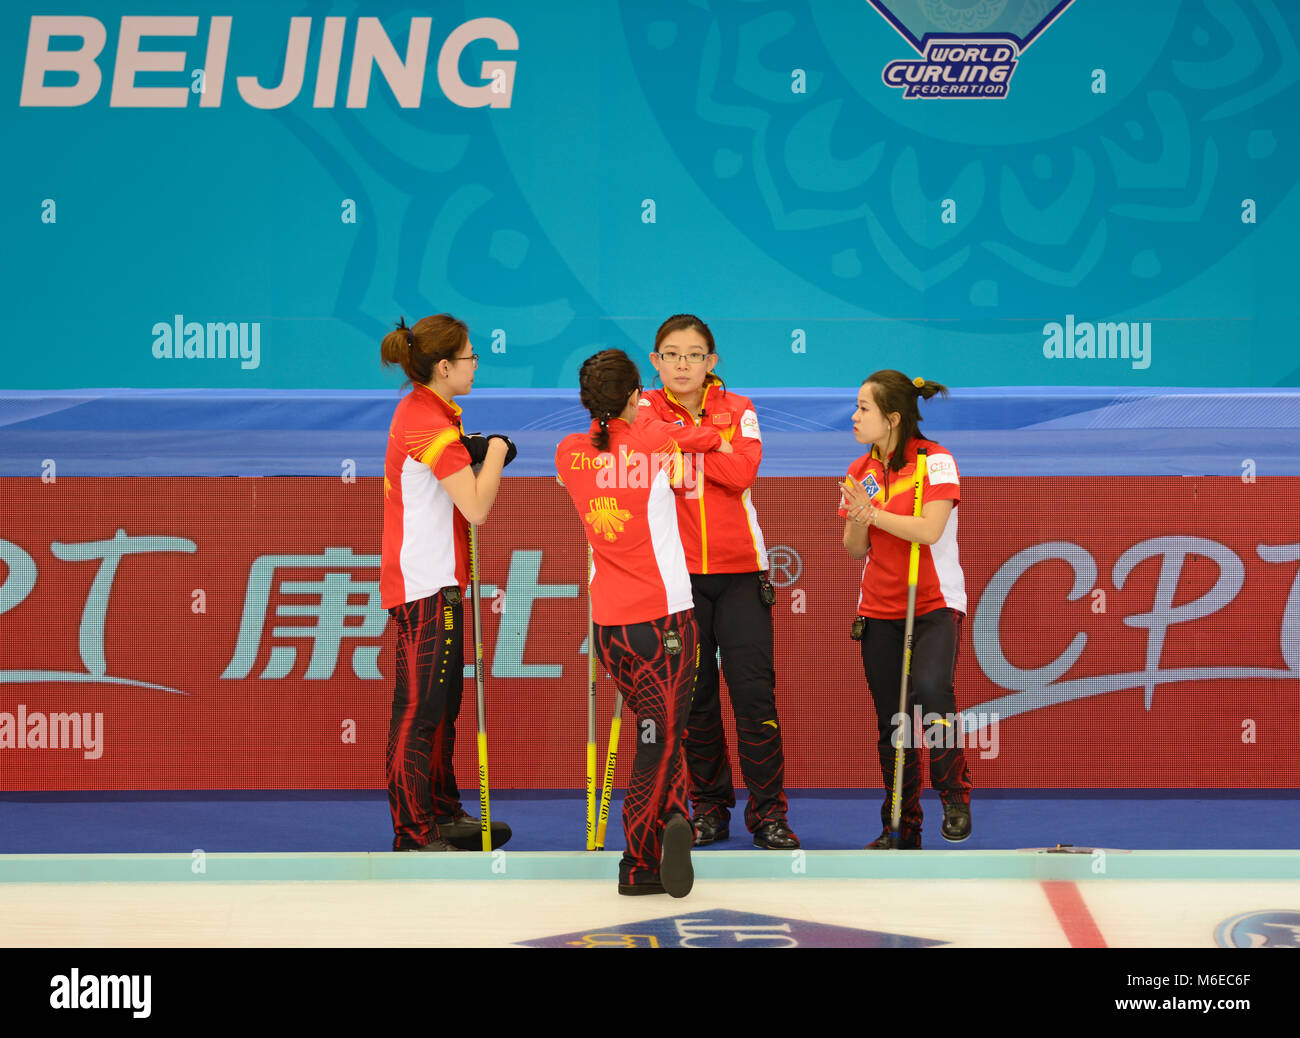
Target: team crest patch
x: 968, y: 48
x: 1279, y: 928
x: 606, y: 517
x: 724, y: 928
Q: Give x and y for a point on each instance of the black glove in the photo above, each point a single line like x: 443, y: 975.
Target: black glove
x: 476, y: 444
x: 510, y: 448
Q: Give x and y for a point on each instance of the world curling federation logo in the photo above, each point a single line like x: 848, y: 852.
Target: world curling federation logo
x: 968, y: 48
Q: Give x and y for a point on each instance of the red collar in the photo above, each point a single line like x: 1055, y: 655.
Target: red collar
x: 711, y: 381
x: 450, y: 409
x: 909, y: 452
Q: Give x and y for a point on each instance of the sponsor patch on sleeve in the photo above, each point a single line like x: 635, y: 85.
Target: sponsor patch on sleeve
x: 749, y: 425
x: 941, y: 469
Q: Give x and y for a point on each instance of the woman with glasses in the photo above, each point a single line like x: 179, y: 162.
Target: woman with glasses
x: 620, y: 475
x: 431, y: 495
x: 733, y: 597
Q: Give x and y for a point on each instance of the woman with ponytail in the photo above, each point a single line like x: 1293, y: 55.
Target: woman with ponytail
x: 431, y: 495
x: 620, y: 475
x: 878, y: 503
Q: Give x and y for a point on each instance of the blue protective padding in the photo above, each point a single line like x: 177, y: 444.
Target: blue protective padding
x: 339, y: 821
x: 1003, y: 431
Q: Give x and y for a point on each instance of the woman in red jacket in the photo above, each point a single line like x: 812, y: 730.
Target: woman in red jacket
x: 620, y: 475
x: 879, y: 497
x: 733, y: 597
x: 431, y: 495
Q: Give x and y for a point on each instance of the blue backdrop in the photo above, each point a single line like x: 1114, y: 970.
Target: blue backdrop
x: 743, y: 160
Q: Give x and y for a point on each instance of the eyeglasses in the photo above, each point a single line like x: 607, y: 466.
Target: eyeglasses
x: 690, y: 358
x: 472, y: 356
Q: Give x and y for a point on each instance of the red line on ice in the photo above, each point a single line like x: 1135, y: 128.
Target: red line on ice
x: 1073, y: 915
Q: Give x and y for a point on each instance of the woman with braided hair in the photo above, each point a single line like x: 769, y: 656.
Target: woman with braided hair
x: 878, y: 504
x: 620, y: 475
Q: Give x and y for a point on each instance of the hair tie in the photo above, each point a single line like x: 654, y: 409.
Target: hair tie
x: 919, y: 382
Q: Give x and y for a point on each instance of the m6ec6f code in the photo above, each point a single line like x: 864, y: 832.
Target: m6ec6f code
x: 1184, y: 979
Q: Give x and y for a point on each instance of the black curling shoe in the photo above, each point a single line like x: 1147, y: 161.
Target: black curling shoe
x: 956, y: 822
x: 651, y: 886
x: 436, y: 844
x: 464, y: 831
x: 707, y: 831
x: 675, y: 870
x: 886, y: 842
x: 775, y: 836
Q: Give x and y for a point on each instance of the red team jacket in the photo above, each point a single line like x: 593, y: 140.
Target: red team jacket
x: 940, y: 581
x: 426, y: 539
x: 719, y: 526
x: 626, y: 501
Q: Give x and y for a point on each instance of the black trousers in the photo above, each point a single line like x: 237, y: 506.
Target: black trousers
x: 935, y: 638
x: 731, y: 617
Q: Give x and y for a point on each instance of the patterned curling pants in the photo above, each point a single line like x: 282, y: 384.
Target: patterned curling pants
x: 656, y: 685
x: 426, y: 702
